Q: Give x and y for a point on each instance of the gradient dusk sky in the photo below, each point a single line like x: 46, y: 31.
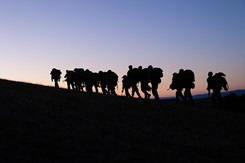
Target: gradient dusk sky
x: 202, y: 35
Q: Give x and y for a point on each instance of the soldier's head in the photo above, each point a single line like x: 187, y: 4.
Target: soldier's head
x: 175, y: 74
x: 140, y: 67
x: 150, y: 67
x: 130, y: 67
x: 210, y: 73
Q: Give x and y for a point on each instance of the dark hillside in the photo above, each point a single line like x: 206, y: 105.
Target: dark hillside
x: 45, y: 124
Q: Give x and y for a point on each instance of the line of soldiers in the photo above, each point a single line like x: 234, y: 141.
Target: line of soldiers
x: 144, y: 77
x: 78, y: 79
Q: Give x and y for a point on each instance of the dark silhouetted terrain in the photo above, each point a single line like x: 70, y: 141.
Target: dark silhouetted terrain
x: 45, y: 124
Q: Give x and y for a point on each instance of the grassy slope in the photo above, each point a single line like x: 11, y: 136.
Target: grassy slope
x: 40, y: 124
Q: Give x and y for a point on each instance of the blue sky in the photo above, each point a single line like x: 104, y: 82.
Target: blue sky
x: 209, y: 35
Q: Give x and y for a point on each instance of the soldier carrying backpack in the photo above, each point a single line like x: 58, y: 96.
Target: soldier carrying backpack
x: 79, y: 78
x: 125, y: 85
x: 155, y: 78
x: 112, y: 79
x: 55, y: 75
x: 177, y: 83
x: 217, y: 83
x: 103, y: 81
x: 134, y: 78
x: 70, y: 79
x: 188, y: 78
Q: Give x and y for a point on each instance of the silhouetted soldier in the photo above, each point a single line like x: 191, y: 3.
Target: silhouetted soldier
x: 218, y: 82
x: 155, y: 78
x: 112, y: 79
x: 177, y: 84
x: 209, y: 81
x: 79, y: 78
x: 133, y: 77
x: 55, y: 75
x: 125, y: 85
x: 144, y: 82
x: 189, y: 79
x: 88, y: 80
x: 102, y: 81
x: 70, y: 79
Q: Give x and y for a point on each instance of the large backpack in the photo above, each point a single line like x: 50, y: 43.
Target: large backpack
x: 125, y: 82
x: 157, y: 72
x: 70, y: 75
x: 174, y: 84
x: 144, y: 75
x: 189, y: 76
x: 55, y: 73
x: 219, y: 81
x: 224, y: 83
x: 134, y: 75
x: 156, y: 75
x: 112, y: 78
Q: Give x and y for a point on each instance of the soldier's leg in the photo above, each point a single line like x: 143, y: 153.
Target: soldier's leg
x: 134, y: 87
x: 113, y: 91
x: 177, y: 96
x: 68, y: 85
x: 127, y: 92
x: 188, y: 95
x: 137, y: 92
x: 56, y: 83
x: 103, y: 88
x: 154, y: 91
x: 72, y: 85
